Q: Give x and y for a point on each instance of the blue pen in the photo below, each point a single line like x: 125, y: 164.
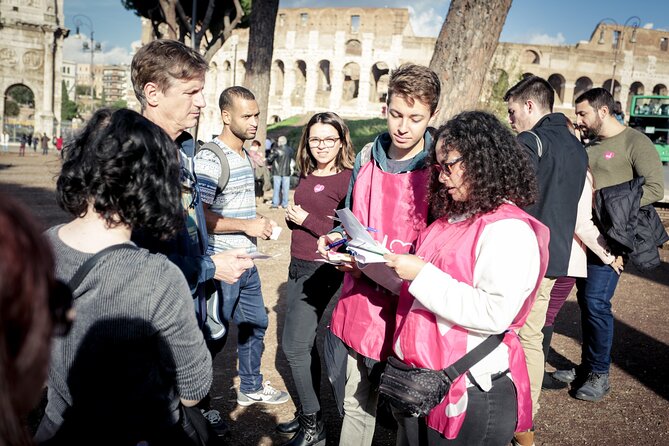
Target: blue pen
x: 371, y: 229
x: 334, y: 244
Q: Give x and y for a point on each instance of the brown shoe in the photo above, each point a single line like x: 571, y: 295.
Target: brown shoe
x: 523, y: 438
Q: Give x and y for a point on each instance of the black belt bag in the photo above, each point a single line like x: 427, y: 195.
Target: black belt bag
x: 416, y: 391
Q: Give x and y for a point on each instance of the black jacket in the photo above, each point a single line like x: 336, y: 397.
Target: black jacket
x: 560, y: 170
x: 629, y: 228
x: 280, y: 158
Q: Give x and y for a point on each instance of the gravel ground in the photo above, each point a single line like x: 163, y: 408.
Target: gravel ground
x: 634, y: 413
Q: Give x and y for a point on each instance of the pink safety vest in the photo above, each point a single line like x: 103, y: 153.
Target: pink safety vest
x: 452, y: 248
x: 396, y: 206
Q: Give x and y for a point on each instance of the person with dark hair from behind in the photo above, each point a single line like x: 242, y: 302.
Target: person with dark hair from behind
x: 617, y: 155
x: 168, y: 79
x: 135, y: 352
x: 33, y: 307
x: 560, y: 164
x: 325, y: 158
x: 280, y: 157
x: 459, y: 291
x: 618, y: 112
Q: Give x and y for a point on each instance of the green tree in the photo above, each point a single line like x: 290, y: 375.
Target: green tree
x: 119, y: 104
x: 214, y: 22
x: 22, y: 95
x: 11, y: 108
x: 68, y: 108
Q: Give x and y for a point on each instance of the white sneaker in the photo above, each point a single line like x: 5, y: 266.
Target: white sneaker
x: 266, y: 395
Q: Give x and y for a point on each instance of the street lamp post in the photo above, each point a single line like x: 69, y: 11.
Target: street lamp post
x: 85, y: 21
x: 635, y: 22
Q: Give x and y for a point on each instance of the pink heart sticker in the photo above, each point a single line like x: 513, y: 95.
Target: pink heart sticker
x: 609, y: 155
x: 319, y: 188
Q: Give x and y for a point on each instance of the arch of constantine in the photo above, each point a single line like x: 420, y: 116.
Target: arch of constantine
x: 32, y: 33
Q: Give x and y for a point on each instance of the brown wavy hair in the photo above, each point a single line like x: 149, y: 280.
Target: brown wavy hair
x: 306, y: 163
x: 495, y: 167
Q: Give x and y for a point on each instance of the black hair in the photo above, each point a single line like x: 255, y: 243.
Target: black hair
x: 495, y: 168
x: 128, y: 169
x: 227, y: 96
x: 535, y: 88
x: 598, y: 98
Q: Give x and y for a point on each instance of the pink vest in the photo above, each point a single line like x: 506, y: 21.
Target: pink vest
x: 396, y: 206
x: 452, y: 248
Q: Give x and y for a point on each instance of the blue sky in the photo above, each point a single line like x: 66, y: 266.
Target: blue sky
x: 529, y: 21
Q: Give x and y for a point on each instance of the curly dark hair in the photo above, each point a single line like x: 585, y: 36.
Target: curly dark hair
x: 128, y: 169
x: 495, y: 167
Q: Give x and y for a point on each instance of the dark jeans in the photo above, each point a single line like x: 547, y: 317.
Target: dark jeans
x: 559, y: 294
x: 243, y: 304
x: 594, y: 296
x: 490, y: 420
x: 311, y: 285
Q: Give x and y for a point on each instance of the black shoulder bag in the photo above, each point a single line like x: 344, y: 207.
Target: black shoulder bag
x: 415, y: 391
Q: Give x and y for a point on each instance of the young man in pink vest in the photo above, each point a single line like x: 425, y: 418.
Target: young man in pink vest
x: 388, y: 192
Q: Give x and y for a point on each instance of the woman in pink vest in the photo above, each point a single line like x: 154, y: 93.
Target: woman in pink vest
x: 475, y: 274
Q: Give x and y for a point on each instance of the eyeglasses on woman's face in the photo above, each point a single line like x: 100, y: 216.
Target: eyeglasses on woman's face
x: 328, y: 142
x: 445, y: 168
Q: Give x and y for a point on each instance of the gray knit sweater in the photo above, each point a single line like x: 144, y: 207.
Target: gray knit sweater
x: 134, y: 347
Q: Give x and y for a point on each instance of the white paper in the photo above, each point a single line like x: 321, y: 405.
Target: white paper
x: 276, y: 230
x: 368, y: 253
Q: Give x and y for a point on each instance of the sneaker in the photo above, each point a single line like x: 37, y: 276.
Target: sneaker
x: 266, y: 395
x: 595, y: 388
x: 565, y: 376
x: 219, y: 426
x: 550, y: 383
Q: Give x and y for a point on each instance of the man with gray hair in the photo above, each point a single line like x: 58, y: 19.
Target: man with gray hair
x: 280, y: 158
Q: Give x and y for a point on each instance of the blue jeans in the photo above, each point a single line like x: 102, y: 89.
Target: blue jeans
x: 243, y: 304
x: 594, y: 295
x: 281, y: 185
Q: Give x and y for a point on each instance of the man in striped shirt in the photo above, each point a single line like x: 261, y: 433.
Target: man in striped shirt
x: 241, y: 302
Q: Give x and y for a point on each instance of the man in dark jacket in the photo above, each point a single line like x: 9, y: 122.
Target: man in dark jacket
x: 617, y: 154
x: 280, y: 158
x: 560, y: 163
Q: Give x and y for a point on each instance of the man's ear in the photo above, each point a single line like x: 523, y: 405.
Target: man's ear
x: 225, y: 117
x: 435, y: 113
x: 151, y: 93
x: 531, y: 106
x: 603, y: 112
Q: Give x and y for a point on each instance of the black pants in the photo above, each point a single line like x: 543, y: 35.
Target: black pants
x: 311, y: 285
x: 490, y: 420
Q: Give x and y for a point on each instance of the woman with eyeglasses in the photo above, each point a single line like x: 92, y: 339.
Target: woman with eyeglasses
x: 135, y: 352
x: 33, y: 308
x: 324, y: 158
x: 475, y: 274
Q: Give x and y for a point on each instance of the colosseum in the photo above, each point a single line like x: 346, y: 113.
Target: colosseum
x: 339, y: 59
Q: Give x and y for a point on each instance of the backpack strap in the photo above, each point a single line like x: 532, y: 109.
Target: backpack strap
x: 540, y: 146
x: 223, y: 158
x: 84, y: 269
x: 366, y: 153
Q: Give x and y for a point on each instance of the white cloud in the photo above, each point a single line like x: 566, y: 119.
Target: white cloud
x: 545, y: 39
x: 73, y: 51
x: 648, y: 25
x: 426, y: 22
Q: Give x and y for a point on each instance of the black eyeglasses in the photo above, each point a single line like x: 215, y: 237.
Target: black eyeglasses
x: 60, y: 304
x: 445, y: 168
x: 328, y: 142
